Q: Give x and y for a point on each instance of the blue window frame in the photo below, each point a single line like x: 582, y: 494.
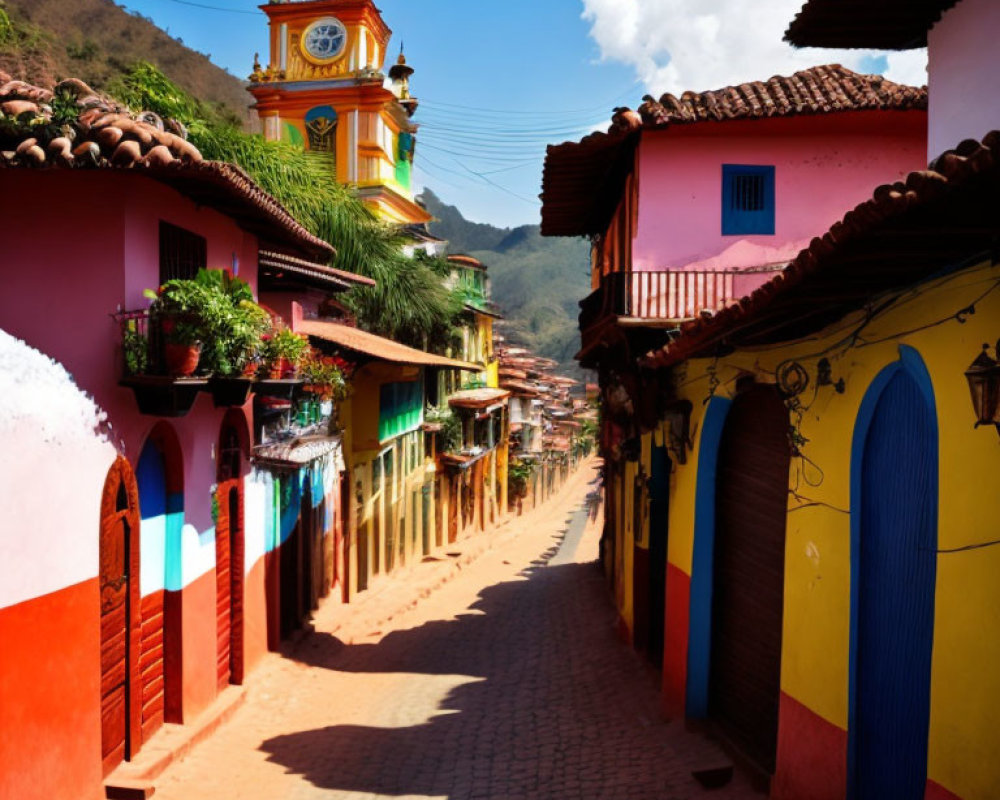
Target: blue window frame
x: 747, y: 199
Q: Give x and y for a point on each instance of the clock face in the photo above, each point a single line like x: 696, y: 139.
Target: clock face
x: 325, y: 39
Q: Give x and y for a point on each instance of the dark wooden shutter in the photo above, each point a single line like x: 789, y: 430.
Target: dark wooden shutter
x: 748, y: 574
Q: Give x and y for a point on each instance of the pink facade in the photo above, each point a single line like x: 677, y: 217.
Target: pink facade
x: 823, y: 164
x: 79, y: 246
x: 963, y: 63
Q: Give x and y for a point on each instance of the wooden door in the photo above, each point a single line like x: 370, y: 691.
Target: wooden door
x: 229, y: 585
x: 748, y: 574
x: 895, y: 596
x: 119, y: 591
x: 229, y: 558
x: 223, y: 587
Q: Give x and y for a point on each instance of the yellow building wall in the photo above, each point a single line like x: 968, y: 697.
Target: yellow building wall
x: 965, y: 691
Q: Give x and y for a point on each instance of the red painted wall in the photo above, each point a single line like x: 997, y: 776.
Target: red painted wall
x: 50, y: 711
x: 200, y: 644
x: 812, y: 755
x: 675, y: 641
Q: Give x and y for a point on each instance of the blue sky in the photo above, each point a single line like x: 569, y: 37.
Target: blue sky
x: 493, y: 79
x: 497, y: 81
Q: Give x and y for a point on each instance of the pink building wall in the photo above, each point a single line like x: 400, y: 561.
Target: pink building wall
x: 824, y: 165
x: 77, y: 247
x: 963, y: 64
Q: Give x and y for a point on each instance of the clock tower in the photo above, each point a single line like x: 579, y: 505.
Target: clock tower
x: 324, y: 89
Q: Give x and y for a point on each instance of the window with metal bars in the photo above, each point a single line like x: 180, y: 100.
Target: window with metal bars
x: 182, y: 253
x: 747, y: 199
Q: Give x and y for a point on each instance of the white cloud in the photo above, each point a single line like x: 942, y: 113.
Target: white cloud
x: 677, y: 45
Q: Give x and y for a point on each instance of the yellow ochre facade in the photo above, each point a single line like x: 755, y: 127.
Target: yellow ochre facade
x: 324, y: 89
x: 816, y: 679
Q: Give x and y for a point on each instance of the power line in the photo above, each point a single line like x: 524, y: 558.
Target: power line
x: 482, y: 156
x: 214, y: 8
x: 483, y: 135
x: 485, y: 179
x: 592, y: 110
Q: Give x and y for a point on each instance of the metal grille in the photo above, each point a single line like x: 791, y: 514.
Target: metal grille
x: 748, y: 193
x: 182, y: 253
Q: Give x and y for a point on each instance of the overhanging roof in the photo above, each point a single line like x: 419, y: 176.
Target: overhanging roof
x: 938, y: 220
x: 477, y: 398
x: 876, y: 24
x: 311, y: 272
x: 112, y: 139
x: 378, y: 347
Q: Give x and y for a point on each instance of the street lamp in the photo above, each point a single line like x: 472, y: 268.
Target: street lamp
x: 983, y: 376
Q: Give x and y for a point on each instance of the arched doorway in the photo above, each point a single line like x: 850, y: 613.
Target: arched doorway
x: 229, y: 549
x: 894, y: 571
x: 121, y: 695
x: 751, y: 502
x: 160, y: 478
x: 321, y: 127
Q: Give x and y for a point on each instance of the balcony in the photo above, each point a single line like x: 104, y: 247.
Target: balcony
x: 663, y: 299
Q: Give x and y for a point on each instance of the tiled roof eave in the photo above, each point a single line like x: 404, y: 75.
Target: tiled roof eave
x: 582, y: 181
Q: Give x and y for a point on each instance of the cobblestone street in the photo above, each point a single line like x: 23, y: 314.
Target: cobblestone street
x: 507, y: 681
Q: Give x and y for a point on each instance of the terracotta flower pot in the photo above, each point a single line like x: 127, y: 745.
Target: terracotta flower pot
x: 181, y: 359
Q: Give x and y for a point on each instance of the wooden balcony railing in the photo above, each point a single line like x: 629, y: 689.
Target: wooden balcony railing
x: 669, y: 296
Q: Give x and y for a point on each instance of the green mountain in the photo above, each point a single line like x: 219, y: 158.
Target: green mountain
x: 537, y: 282
x: 44, y: 41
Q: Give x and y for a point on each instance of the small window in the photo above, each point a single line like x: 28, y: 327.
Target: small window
x: 182, y: 253
x: 747, y: 200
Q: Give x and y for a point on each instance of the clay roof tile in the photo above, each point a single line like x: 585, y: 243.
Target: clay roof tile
x: 106, y: 136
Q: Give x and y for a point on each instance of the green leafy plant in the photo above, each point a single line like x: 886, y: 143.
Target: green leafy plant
x: 216, y: 311
x: 283, y: 344
x: 135, y: 347
x: 519, y: 477
x: 451, y: 437
x: 322, y: 376
x: 409, y: 303
x: 179, y: 308
x: 233, y: 327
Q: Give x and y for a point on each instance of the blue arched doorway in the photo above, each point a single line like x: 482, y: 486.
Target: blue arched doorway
x: 894, y: 543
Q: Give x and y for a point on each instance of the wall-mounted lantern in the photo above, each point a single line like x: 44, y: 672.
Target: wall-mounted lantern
x: 983, y: 376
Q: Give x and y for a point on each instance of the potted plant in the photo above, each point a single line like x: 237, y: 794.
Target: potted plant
x: 178, y: 308
x: 233, y: 328
x: 281, y: 353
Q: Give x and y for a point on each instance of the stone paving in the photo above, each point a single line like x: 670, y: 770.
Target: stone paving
x: 505, y: 682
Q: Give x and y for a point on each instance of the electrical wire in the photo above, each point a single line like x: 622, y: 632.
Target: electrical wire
x: 554, y: 112
x: 215, y: 8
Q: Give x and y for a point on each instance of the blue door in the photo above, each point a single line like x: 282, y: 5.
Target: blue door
x: 895, y: 571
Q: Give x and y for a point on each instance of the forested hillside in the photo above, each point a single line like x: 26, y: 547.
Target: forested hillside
x: 538, y: 282
x: 44, y: 41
